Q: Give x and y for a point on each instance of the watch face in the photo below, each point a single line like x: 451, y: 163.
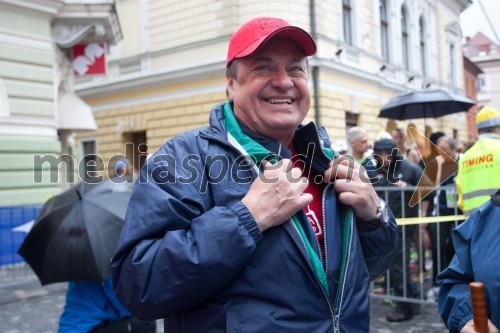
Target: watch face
x: 384, y: 211
x: 385, y: 214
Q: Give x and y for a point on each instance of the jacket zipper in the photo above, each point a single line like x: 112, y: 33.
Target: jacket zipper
x: 345, y: 263
x: 317, y: 280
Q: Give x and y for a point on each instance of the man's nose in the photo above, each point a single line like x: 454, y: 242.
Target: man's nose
x: 282, y: 79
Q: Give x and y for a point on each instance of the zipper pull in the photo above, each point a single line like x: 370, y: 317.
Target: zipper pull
x: 336, y: 328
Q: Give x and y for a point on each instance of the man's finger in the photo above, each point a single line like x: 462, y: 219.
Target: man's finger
x: 341, y: 171
x: 345, y: 160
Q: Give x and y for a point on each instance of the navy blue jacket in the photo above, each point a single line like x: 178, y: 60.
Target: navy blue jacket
x: 477, y: 258
x: 191, y: 252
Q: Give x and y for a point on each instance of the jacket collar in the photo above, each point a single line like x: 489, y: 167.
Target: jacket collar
x: 218, y: 130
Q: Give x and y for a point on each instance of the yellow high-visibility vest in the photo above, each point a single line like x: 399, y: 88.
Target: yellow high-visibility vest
x: 479, y: 174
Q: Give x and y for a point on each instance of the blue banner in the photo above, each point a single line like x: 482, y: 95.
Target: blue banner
x: 15, y: 223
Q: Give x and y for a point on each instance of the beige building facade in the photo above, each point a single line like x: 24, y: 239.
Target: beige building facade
x: 169, y: 70
x: 39, y: 111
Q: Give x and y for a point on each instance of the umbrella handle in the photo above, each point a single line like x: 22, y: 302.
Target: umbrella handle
x: 479, y: 311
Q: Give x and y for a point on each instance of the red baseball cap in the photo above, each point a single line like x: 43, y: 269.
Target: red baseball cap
x: 256, y: 32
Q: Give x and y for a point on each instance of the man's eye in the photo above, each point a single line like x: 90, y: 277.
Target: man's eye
x: 264, y: 68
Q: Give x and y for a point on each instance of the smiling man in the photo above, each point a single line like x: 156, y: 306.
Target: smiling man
x: 286, y: 240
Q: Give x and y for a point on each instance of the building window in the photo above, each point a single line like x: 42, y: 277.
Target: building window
x: 346, y: 15
x: 384, y: 31
x: 351, y: 120
x: 453, y: 76
x: 89, y: 168
x: 404, y: 39
x: 423, y: 64
x: 479, y: 84
x: 136, y: 148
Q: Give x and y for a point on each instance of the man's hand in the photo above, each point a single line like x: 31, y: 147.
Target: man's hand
x: 469, y: 327
x: 353, y: 187
x: 276, y: 194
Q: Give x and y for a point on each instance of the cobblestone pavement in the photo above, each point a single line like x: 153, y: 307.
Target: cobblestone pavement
x: 428, y: 320
x: 32, y: 308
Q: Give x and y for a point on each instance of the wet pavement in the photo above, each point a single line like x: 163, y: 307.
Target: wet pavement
x: 29, y: 307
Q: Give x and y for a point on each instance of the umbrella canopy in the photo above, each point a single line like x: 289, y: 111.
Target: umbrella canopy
x: 76, y: 233
x: 425, y: 104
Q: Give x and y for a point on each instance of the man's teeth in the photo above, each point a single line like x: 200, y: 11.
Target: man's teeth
x: 280, y: 100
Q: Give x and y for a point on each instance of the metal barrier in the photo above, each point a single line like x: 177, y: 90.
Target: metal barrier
x: 409, y: 261
x: 15, y: 223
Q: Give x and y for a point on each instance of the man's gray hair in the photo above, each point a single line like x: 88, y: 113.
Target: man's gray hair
x: 354, y: 133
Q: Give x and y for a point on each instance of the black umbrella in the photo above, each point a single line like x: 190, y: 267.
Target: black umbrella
x: 425, y: 104
x: 76, y: 233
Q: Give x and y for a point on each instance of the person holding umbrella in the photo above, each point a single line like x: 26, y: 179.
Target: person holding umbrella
x: 92, y: 306
x: 73, y: 239
x: 224, y: 234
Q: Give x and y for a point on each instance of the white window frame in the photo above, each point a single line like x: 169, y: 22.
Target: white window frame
x: 452, y: 54
x: 423, y: 51
x: 405, y: 42
x: 387, y: 58
x: 351, y: 22
x: 82, y: 153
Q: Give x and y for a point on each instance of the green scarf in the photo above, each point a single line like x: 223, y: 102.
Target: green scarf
x: 259, y: 153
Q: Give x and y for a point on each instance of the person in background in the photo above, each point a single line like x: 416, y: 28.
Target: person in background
x: 395, y: 171
x: 477, y: 259
x: 399, y: 136
x: 123, y: 167
x: 479, y: 168
x: 446, y: 206
x: 249, y: 243
x: 358, y: 143
x: 92, y: 307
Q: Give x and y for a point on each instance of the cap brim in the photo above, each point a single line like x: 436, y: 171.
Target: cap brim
x: 302, y: 38
x: 494, y: 122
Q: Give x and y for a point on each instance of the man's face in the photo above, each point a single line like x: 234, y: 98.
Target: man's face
x: 360, y: 145
x: 382, y: 158
x: 399, y: 138
x: 270, y: 91
x: 444, y: 146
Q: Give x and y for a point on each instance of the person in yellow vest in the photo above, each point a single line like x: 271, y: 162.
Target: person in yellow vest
x: 479, y: 168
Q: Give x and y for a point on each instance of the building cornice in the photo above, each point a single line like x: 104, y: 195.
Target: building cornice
x: 87, y: 21
x: 47, y: 7
x: 148, y: 80
x: 356, y: 74
x: 15, y: 125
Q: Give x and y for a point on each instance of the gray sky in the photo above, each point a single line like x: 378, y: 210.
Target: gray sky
x: 473, y: 19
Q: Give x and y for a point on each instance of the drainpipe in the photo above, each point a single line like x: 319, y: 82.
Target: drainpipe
x: 315, y: 69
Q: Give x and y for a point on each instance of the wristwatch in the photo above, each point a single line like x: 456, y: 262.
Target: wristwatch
x: 382, y: 216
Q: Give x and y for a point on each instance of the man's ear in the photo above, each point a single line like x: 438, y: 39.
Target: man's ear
x: 230, y: 89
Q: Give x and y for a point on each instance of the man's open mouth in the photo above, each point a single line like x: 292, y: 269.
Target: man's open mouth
x: 280, y: 100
